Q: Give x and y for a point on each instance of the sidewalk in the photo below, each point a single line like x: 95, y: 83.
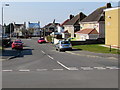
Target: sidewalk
x: 114, y: 47
x: 92, y: 54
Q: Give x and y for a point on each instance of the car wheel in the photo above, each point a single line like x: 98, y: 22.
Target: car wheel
x: 59, y: 50
x: 56, y: 49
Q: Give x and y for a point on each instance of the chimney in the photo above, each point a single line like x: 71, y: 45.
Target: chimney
x: 24, y: 24
x: 71, y: 16
x: 14, y: 23
x: 108, y: 5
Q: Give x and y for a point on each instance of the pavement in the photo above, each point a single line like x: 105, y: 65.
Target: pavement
x: 92, y: 54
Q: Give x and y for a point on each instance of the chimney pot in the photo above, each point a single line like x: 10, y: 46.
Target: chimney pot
x: 108, y: 5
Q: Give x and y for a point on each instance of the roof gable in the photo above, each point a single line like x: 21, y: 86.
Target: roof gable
x: 64, y: 22
x: 75, y: 20
x: 95, y: 16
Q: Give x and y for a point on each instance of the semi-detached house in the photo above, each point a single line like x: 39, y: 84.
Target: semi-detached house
x: 94, y: 21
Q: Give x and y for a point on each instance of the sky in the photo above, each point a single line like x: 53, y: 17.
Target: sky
x: 46, y: 12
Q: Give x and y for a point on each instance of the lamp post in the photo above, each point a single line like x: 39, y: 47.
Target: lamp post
x: 10, y: 30
x: 3, y: 31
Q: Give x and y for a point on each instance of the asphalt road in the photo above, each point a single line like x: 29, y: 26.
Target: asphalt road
x: 40, y: 66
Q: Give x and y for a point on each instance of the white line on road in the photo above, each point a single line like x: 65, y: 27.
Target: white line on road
x: 73, y: 68
x: 7, y: 70
x: 27, y: 70
x: 62, y: 65
x: 57, y: 69
x: 112, y: 67
x: 86, y: 68
x: 42, y: 51
x: 68, y: 68
x: 2, y: 60
x: 99, y: 68
x: 50, y: 57
x: 41, y: 69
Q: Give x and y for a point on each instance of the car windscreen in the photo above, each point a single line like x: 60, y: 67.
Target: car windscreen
x: 18, y: 42
x: 65, y: 42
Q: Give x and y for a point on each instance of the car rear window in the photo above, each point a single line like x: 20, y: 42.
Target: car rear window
x: 65, y: 42
x: 18, y: 42
x: 41, y: 39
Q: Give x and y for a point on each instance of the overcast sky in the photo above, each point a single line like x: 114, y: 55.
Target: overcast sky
x: 46, y: 12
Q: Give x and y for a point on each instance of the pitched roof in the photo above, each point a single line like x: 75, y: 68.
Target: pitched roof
x: 34, y: 25
x: 18, y: 25
x: 76, y: 19
x: 97, y: 15
x: 48, y: 25
x: 88, y: 31
x: 64, y: 22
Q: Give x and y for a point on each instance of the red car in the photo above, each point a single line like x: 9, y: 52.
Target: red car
x: 41, y: 40
x: 17, y: 44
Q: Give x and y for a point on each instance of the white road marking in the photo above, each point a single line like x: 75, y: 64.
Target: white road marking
x: 27, y: 70
x: 41, y: 69
x: 99, y: 68
x: 62, y: 65
x: 68, y: 68
x: 2, y: 60
x: 73, y: 68
x: 50, y: 57
x: 57, y: 69
x: 112, y: 67
x: 42, y: 51
x: 7, y: 70
x: 86, y: 68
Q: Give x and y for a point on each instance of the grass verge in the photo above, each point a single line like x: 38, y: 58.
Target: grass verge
x: 97, y: 48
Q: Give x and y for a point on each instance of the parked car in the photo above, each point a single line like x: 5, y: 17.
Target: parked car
x: 17, y: 44
x: 41, y: 40
x: 6, y: 41
x: 63, y: 46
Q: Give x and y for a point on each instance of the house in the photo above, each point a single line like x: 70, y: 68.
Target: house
x: 34, y: 28
x: 73, y: 25
x: 51, y: 27
x: 60, y: 27
x: 88, y: 33
x: 65, y: 34
x: 19, y: 29
x: 112, y: 26
x: 96, y: 20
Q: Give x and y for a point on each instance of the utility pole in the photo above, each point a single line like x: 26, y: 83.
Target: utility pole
x: 54, y: 30
x: 3, y: 31
x: 10, y: 30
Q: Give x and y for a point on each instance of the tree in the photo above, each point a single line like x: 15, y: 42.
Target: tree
x: 8, y: 28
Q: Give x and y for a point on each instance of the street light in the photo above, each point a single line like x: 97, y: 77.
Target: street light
x: 3, y: 32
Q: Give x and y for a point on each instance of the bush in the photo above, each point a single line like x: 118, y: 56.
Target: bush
x: 49, y: 38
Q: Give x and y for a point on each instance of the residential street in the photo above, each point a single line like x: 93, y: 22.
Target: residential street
x: 41, y: 66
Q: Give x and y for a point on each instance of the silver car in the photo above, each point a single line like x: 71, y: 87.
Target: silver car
x: 63, y: 46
